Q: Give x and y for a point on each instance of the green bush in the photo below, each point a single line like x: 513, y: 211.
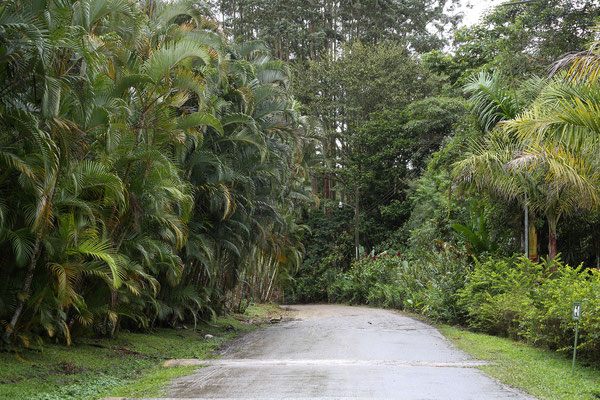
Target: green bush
x: 533, y: 302
x: 427, y: 285
x: 550, y: 323
x: 386, y: 295
x: 370, y: 280
x: 341, y: 289
x: 434, y: 284
x: 498, y: 294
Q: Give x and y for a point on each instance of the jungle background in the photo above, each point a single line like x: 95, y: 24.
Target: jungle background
x: 162, y: 163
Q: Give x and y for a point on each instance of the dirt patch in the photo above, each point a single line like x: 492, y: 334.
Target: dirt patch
x: 65, y: 368
x: 125, y: 351
x: 283, y: 314
x: 9, y: 381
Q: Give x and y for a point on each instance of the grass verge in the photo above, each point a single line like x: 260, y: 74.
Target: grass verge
x: 542, y: 373
x: 128, y: 366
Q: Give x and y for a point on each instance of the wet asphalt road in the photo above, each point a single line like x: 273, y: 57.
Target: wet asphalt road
x: 339, y: 352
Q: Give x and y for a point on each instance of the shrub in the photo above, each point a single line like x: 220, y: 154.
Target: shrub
x: 431, y: 283
x: 370, y: 280
x: 550, y: 323
x: 497, y: 295
x: 524, y: 300
x: 386, y: 295
x: 428, y: 287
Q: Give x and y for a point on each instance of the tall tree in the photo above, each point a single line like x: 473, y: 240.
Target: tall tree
x: 518, y: 41
x: 305, y: 30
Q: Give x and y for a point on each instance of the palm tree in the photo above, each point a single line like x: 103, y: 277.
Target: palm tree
x: 148, y: 164
x: 563, y: 129
x: 493, y: 103
x: 548, y: 152
x: 49, y: 138
x: 556, y: 180
x: 245, y: 172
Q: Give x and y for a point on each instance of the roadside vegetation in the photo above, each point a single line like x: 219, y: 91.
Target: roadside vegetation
x: 126, y: 366
x: 149, y: 165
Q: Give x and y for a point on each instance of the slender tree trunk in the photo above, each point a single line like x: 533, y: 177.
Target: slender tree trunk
x: 332, y: 194
x: 526, y: 223
x: 114, y: 295
x: 356, y: 221
x: 449, y: 199
x: 533, y: 242
x: 271, y: 283
x: 26, y: 287
x: 254, y: 285
x: 552, y: 237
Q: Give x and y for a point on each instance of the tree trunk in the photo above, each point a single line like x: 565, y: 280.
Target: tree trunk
x: 552, y: 239
x: 266, y: 299
x: 533, y: 242
x: 356, y: 222
x: 526, y: 230
x: 114, y: 296
x: 26, y: 286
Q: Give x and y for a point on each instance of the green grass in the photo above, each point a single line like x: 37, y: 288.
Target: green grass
x: 543, y: 373
x: 129, y: 365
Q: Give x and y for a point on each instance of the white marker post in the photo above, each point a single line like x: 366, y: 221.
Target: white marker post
x: 576, y: 318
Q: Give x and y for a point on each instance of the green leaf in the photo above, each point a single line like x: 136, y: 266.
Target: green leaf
x: 196, y: 119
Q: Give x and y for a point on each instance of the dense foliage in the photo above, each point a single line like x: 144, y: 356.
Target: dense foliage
x: 306, y: 30
x: 147, y: 165
x: 423, y: 168
x: 159, y: 163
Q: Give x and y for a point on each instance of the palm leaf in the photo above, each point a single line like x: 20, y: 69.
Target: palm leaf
x: 101, y: 250
x: 193, y: 120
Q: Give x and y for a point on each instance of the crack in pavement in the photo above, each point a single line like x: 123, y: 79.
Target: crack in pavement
x: 318, y: 362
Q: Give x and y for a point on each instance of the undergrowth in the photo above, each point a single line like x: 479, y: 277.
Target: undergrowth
x: 128, y: 365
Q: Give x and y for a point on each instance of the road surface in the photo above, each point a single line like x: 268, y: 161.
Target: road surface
x: 339, y: 352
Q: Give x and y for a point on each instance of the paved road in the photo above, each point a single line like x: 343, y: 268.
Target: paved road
x: 338, y: 352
